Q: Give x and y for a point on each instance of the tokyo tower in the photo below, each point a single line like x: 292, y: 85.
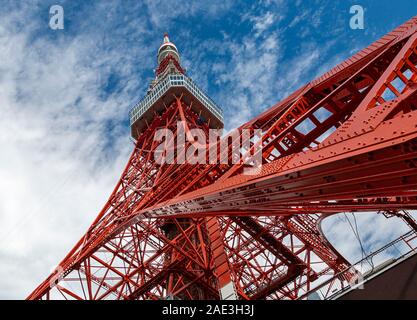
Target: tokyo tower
x: 221, y: 225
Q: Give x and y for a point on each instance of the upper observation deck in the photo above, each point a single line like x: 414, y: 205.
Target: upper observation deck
x: 170, y: 82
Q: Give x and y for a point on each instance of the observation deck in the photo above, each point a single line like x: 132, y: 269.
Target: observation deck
x: 163, y: 93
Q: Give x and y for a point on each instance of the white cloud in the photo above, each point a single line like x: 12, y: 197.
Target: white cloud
x: 56, y: 171
x: 248, y: 78
x: 261, y: 23
x: 374, y: 231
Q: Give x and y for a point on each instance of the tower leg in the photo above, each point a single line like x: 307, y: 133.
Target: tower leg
x: 226, y: 286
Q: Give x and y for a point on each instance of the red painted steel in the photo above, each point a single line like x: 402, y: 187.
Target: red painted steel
x: 345, y: 142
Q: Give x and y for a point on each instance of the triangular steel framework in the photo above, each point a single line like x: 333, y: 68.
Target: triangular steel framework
x: 345, y: 142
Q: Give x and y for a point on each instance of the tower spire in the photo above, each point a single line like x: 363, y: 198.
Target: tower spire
x: 169, y: 61
x: 166, y: 37
x: 166, y: 49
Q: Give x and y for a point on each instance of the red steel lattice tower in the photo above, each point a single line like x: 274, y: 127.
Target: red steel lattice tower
x: 345, y: 142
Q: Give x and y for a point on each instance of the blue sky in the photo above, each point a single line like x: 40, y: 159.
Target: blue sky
x: 246, y: 55
x: 65, y: 97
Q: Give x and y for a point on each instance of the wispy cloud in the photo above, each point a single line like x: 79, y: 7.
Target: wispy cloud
x: 56, y: 166
x: 374, y: 232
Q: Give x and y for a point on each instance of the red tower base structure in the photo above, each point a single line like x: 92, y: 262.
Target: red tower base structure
x: 345, y: 142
